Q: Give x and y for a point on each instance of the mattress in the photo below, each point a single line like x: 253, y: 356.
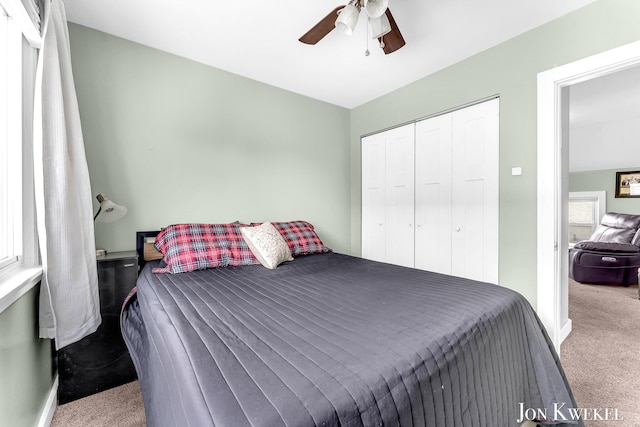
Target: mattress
x: 335, y: 340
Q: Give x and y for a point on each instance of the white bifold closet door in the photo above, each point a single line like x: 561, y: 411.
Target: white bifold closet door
x: 441, y: 174
x: 475, y: 192
x: 374, y: 197
x: 399, y: 194
x: 433, y: 194
x: 387, y: 196
x: 457, y: 183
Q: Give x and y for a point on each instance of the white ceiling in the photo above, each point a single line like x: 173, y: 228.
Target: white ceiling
x: 604, y: 116
x: 259, y: 39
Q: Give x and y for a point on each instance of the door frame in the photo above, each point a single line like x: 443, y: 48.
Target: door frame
x: 552, y: 260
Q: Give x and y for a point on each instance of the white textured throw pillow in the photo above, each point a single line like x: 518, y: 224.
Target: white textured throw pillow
x: 267, y: 244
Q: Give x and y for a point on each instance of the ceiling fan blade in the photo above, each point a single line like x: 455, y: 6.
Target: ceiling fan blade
x: 393, y: 40
x: 322, y: 28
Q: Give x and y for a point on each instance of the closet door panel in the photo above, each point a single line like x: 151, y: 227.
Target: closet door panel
x: 469, y: 255
x: 373, y: 197
x: 433, y: 194
x: 400, y: 196
x: 475, y: 185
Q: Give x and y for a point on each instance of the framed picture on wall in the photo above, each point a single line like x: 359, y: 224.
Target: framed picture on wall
x: 628, y: 184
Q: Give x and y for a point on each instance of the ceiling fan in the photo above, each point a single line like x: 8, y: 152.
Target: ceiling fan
x: 382, y: 26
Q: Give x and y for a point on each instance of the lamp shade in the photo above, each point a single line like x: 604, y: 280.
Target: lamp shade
x: 108, y: 211
x: 347, y: 19
x: 375, y: 8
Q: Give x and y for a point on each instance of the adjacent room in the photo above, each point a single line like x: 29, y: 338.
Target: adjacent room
x: 603, y: 296
x: 311, y: 213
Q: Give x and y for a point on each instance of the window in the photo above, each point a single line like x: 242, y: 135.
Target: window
x: 19, y: 260
x: 586, y: 208
x: 10, y: 140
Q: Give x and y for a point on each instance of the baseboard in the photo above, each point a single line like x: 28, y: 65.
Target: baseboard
x: 565, y: 330
x: 50, y: 406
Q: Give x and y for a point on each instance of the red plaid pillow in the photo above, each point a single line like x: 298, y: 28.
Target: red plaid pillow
x: 301, y: 237
x: 189, y: 247
x: 240, y: 252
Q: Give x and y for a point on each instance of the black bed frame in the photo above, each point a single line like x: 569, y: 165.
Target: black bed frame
x: 141, y: 236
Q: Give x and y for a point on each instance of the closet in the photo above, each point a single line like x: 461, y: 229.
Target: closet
x: 430, y: 193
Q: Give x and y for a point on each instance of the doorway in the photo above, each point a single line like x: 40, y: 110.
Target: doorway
x: 552, y: 176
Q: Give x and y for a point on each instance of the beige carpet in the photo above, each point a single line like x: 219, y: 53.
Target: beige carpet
x: 601, y: 355
x: 118, y: 407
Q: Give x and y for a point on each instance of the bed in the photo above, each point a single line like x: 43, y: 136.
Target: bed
x: 328, y: 339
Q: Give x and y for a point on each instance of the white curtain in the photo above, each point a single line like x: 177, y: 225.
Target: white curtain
x: 69, y: 300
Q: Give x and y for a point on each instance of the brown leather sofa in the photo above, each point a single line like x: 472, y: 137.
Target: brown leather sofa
x: 611, y: 254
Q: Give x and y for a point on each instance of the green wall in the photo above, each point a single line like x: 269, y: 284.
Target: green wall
x: 605, y: 180
x: 25, y: 363
x: 510, y: 71
x: 178, y: 141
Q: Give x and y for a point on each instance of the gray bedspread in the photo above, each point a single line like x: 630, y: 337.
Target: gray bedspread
x: 334, y: 340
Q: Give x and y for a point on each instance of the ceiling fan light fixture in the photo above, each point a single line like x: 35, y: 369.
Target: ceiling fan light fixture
x: 380, y: 26
x: 390, y: 41
x: 348, y: 18
x: 375, y: 8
